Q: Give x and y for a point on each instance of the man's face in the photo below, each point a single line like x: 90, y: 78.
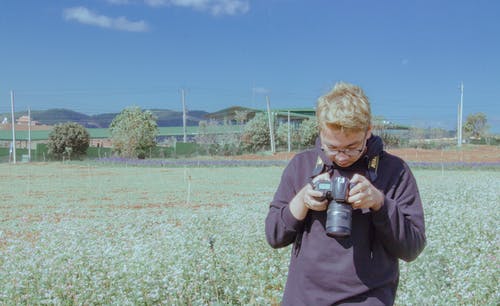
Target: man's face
x: 343, y: 148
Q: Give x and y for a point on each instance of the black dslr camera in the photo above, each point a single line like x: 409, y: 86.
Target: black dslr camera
x: 339, y: 213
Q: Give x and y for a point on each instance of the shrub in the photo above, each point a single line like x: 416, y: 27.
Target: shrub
x: 217, y: 143
x: 282, y: 135
x: 133, y: 132
x: 308, y: 131
x: 68, y: 140
x: 390, y: 141
x: 256, y: 133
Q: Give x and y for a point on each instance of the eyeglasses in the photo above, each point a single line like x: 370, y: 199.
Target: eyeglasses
x: 348, y: 152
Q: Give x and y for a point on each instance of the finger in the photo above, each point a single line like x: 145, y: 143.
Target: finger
x: 357, y: 189
x: 322, y: 176
x: 355, y: 199
x: 357, y: 178
x: 315, y: 193
x: 318, y: 207
x: 356, y: 184
x: 356, y: 205
x: 365, y: 200
x: 308, y: 201
x: 315, y: 205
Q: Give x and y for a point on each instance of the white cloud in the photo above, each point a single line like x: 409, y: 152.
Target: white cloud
x: 215, y: 7
x: 86, y: 16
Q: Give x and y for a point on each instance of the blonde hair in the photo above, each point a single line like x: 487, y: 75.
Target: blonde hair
x: 345, y: 108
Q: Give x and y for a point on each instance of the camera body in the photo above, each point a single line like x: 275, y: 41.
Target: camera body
x: 339, y: 213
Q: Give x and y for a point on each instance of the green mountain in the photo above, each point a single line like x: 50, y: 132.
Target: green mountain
x: 54, y: 116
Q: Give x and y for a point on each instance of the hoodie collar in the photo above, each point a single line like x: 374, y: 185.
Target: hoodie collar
x: 374, y: 147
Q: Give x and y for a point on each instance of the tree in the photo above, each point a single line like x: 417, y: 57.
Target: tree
x: 475, y: 125
x: 228, y: 144
x: 256, y: 136
x: 308, y: 131
x: 206, y: 135
x: 68, y: 140
x: 379, y: 124
x: 133, y: 132
x: 218, y: 141
x: 282, y: 134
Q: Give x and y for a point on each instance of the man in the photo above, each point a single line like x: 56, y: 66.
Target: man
x: 387, y: 216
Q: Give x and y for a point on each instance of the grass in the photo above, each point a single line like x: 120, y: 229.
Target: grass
x: 97, y: 234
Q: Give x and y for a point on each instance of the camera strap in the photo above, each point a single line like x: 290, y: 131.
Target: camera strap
x: 372, y: 157
x: 321, y: 167
x: 373, y: 167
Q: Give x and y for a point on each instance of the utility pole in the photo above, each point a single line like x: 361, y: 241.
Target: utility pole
x: 289, y: 134
x: 271, y: 132
x: 13, y: 126
x: 29, y: 134
x: 458, y: 126
x: 459, y: 120
x: 184, y: 115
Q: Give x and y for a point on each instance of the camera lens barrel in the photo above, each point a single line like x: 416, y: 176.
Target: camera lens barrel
x: 339, y: 213
x: 338, y: 219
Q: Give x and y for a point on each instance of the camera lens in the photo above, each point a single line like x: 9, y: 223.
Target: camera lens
x: 338, y: 220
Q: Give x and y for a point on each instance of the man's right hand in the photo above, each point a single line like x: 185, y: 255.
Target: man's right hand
x: 308, y: 198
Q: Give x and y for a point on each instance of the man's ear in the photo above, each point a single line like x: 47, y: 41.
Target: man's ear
x: 369, y: 132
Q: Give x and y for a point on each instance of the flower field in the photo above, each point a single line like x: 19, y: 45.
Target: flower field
x: 125, y: 235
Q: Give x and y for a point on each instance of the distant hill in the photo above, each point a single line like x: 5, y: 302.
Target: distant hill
x: 58, y: 115
x: 54, y: 116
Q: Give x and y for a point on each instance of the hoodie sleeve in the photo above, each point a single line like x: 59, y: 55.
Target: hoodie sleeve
x: 399, y: 223
x: 281, y: 225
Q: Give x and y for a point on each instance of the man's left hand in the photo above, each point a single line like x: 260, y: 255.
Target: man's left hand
x: 364, y: 195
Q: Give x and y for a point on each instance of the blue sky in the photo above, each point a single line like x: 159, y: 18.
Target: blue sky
x: 99, y: 56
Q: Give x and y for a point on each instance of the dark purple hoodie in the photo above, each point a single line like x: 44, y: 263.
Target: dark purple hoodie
x: 362, y: 268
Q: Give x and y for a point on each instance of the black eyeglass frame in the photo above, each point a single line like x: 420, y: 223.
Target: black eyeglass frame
x: 348, y: 152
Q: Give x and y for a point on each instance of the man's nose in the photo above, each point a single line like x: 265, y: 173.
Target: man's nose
x: 341, y: 156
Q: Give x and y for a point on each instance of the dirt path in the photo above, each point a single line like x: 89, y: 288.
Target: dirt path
x: 490, y: 154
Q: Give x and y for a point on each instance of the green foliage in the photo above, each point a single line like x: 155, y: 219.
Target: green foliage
x: 475, y: 125
x: 215, y: 141
x: 98, y: 152
x: 492, y: 140
x: 385, y: 129
x: 379, y: 125
x: 256, y: 133
x: 416, y: 133
x: 308, y: 132
x: 390, y: 141
x: 133, y: 132
x: 241, y: 116
x: 205, y: 135
x: 428, y: 138
x: 68, y: 140
x: 282, y: 135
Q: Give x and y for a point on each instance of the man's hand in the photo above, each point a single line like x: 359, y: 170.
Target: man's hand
x: 307, y: 198
x: 364, y: 194
x: 311, y: 196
